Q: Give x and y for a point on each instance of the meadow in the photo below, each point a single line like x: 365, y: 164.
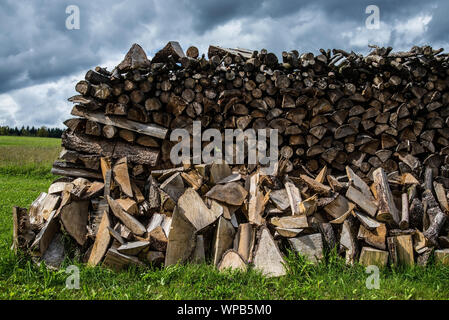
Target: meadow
x: 25, y: 165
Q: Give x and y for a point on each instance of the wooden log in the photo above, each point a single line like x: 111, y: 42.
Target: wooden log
x: 117, y: 261
x: 231, y: 193
x: 224, y: 237
x: 256, y: 204
x: 104, y: 148
x: 370, y: 256
x: 129, y: 221
x: 404, y: 247
x: 74, y: 219
x: 149, y: 129
x: 109, y: 131
x: 360, y: 200
x: 387, y: 208
x: 129, y: 205
x: 158, y: 238
x: 101, y: 243
x: 290, y: 222
x: 134, y: 59
x: 192, y: 207
x: 267, y: 257
x: 46, y: 234
x: 133, y: 248
x: 310, y: 246
x: 127, y: 135
x: 171, y: 50
x: 294, y: 197
x: 436, y: 216
x: 245, y: 235
x: 375, y: 237
x: 181, y: 239
x: 404, y: 224
x: 221, y: 52
x: 22, y: 233
x: 121, y: 176
x: 442, y: 256
x: 232, y: 260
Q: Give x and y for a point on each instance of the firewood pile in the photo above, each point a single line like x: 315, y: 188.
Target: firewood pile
x: 363, y: 161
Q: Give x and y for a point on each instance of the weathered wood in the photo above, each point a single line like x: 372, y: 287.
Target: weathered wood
x: 193, y: 208
x: 129, y: 205
x: 246, y: 235
x: 133, y: 248
x: 121, y: 176
x: 294, y: 197
x: 134, y: 59
x: 158, y: 239
x: 348, y: 240
x: 256, y: 204
x: 375, y: 237
x: 404, y: 223
x: 224, y: 237
x: 171, y: 50
x: 442, y: 256
x: 370, y: 256
x: 436, y: 216
x: 128, y: 220
x: 316, y: 186
x: 310, y: 246
x: 55, y: 254
x: 401, y: 249
x: 46, y: 234
x: 362, y: 201
x: 181, y: 239
x: 102, y: 240
x: 74, y: 219
x: 117, y: 261
x: 149, y: 129
x: 290, y: 222
x: 387, y: 208
x: 267, y: 257
x: 232, y: 260
x: 105, y: 148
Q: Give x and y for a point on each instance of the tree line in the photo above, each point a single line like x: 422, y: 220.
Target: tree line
x: 31, y: 131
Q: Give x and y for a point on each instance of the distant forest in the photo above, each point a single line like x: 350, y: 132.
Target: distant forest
x: 31, y: 132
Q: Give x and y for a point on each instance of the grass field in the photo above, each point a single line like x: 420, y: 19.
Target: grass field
x: 24, y: 172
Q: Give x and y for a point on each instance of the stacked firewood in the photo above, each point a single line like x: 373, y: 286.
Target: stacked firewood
x: 363, y: 167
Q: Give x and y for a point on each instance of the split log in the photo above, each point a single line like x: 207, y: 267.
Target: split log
x: 224, y: 237
x: 267, y: 257
x: 387, y: 208
x: 181, y: 239
x: 128, y: 220
x: 101, y: 243
x: 232, y: 260
x: 74, y: 219
x: 370, y: 256
x: 149, y: 129
x: 104, y: 148
x: 192, y: 207
x: 310, y: 246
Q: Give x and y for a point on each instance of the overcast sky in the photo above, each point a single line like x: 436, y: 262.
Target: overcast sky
x: 41, y: 60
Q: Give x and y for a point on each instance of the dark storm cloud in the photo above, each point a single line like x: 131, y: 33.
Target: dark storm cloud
x: 40, y: 59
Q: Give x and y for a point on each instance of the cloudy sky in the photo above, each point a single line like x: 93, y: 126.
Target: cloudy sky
x: 41, y: 60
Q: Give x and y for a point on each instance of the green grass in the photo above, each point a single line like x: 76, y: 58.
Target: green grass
x: 27, y: 155
x: 22, y: 279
